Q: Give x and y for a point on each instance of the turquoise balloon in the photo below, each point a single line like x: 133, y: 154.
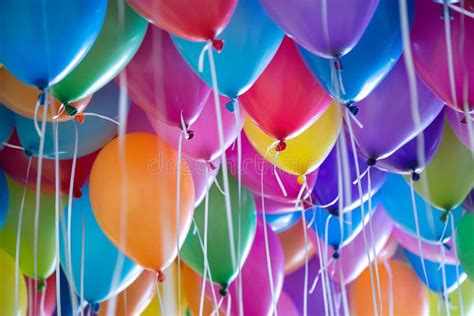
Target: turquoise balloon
x: 93, y: 133
x: 251, y: 39
x: 100, y: 255
x: 370, y: 61
x: 396, y: 198
x: 7, y: 122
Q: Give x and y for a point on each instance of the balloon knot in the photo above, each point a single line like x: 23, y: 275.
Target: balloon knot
x: 42, y: 97
x: 41, y: 285
x: 415, y: 176
x: 354, y: 109
x: 463, y: 121
x: 371, y: 162
x: 223, y: 291
x: 230, y: 106
x: 450, y: 14
x: 160, y: 276
x: 218, y: 44
x: 28, y: 153
x: 77, y: 193
x: 281, y: 145
x: 336, y: 255
x: 95, y: 307
x: 301, y: 179
x: 189, y: 135
x: 337, y: 64
x: 444, y: 216
x: 333, y: 212
x: 212, y: 166
x: 70, y: 110
x: 79, y: 117
x: 447, y: 246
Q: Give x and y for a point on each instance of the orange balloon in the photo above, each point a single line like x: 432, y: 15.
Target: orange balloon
x: 191, y: 285
x: 292, y: 242
x: 135, y: 298
x: 409, y: 294
x: 21, y: 98
x: 149, y: 196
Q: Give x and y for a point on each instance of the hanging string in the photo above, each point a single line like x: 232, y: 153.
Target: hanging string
x: 206, y: 220
x: 102, y: 117
x: 178, y: 200
x: 461, y: 10
x: 158, y: 293
x: 218, y: 186
x: 326, y: 262
x: 229, y: 305
x: 458, y: 275
x: 345, y: 303
x: 320, y: 271
x: 277, y: 176
x: 43, y: 296
x: 445, y: 287
x: 13, y: 146
x: 390, y: 285
x: 83, y: 246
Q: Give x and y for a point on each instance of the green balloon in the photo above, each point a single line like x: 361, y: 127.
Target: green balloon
x: 449, y: 176
x: 438, y: 306
x: 117, y: 43
x: 218, y: 247
x: 46, y: 236
x: 465, y: 244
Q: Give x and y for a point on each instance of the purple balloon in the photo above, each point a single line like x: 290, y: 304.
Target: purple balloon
x: 469, y: 202
x: 459, y: 124
x: 405, y: 158
x: 326, y: 188
x: 386, y: 115
x: 329, y: 30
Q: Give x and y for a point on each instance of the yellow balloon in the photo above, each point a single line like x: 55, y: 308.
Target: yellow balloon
x: 305, y: 152
x: 7, y: 287
x: 438, y: 306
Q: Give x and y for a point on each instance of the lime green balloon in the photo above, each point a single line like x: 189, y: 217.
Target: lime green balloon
x: 118, y: 41
x: 7, y: 287
x: 465, y: 244
x: 46, y: 237
x: 449, y: 177
x: 218, y: 247
x: 438, y: 306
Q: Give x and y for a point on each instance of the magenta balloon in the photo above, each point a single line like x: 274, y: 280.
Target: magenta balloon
x: 204, y: 146
x: 431, y: 55
x: 161, y: 83
x: 286, y: 306
x: 459, y: 124
x: 386, y: 115
x: 327, y: 32
x: 431, y: 251
x: 274, y: 207
x: 253, y: 164
x: 137, y: 120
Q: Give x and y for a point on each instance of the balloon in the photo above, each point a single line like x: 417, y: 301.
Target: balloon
x: 203, y: 177
x: 438, y: 307
x: 408, y: 293
x: 449, y: 177
x: 386, y: 117
x: 134, y: 299
x: 327, y: 29
x: 97, y: 274
x: 371, y: 59
x: 219, y: 254
x: 326, y: 189
x: 286, y: 306
x: 405, y: 158
x: 191, y: 286
x: 7, y: 290
x: 22, y: 99
x: 252, y: 167
x: 458, y: 123
x: 161, y: 83
x: 92, y: 134
x: 50, y: 30
x: 6, y: 123
x: 400, y: 208
x: 431, y: 251
x: 251, y: 40
x: 436, y: 272
x: 197, y: 20
x: 294, y: 247
x: 430, y: 53
x: 4, y: 199
x: 275, y: 208
x: 15, y: 164
x: 281, y: 222
x: 41, y: 296
x: 149, y: 200
x: 304, y: 153
x: 45, y: 235
x: 285, y: 85
x: 468, y: 203
x: 65, y: 302
x: 204, y: 146
x: 465, y: 244
x: 119, y: 38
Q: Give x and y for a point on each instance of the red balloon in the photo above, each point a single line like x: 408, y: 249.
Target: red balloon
x: 15, y: 163
x: 195, y: 20
x: 41, y: 296
x: 286, y: 99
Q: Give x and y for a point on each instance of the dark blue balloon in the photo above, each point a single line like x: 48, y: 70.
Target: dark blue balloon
x: 7, y: 123
x: 282, y: 221
x: 395, y: 196
x: 65, y: 302
x: 42, y: 41
x: 4, y: 193
x: 369, y: 62
x: 434, y: 273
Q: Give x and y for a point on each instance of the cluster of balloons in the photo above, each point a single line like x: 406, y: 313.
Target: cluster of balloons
x: 244, y: 157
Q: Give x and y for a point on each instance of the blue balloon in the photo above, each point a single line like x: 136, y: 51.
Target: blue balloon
x: 100, y: 255
x: 7, y: 122
x: 251, y: 39
x: 396, y: 198
x: 282, y: 221
x: 4, y: 193
x: 42, y: 41
x: 434, y: 273
x: 369, y: 62
x: 93, y: 133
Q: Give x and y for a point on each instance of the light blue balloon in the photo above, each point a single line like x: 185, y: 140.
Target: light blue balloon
x: 100, y: 255
x: 282, y: 221
x: 434, y: 273
x: 369, y: 62
x: 4, y: 193
x: 93, y: 133
x: 7, y: 123
x: 251, y: 39
x: 42, y: 41
x: 396, y: 198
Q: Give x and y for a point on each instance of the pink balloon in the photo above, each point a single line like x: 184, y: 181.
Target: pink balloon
x: 274, y: 207
x: 137, y: 120
x: 204, y: 146
x: 459, y: 124
x: 161, y: 82
x: 431, y: 251
x: 35, y: 296
x: 286, y: 306
x: 253, y: 164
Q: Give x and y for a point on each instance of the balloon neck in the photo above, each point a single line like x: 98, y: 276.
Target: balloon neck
x: 41, y: 285
x: 42, y: 97
x: 335, y: 255
x: 450, y: 14
x: 28, y: 152
x: 79, y: 117
x: 301, y: 179
x: 415, y: 176
x: 444, y: 216
x: 224, y: 290
x: 354, y: 109
x: 337, y: 64
x: 160, y: 276
x: 212, y: 166
x: 334, y: 212
x: 189, y: 135
x: 70, y: 110
x: 217, y: 44
x: 95, y: 307
x: 280, y: 146
x: 463, y: 120
x: 371, y: 162
x: 446, y: 246
x: 231, y: 105
x: 77, y: 193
